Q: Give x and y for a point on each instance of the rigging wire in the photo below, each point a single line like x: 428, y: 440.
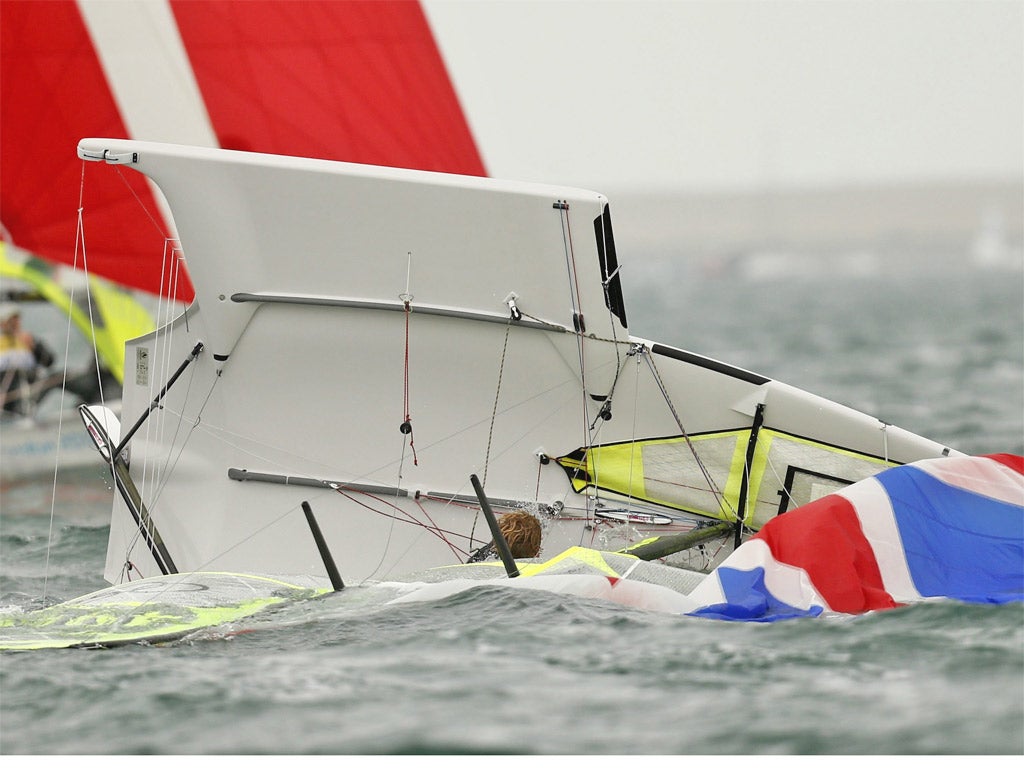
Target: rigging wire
x: 494, y: 416
x: 145, y: 209
x: 168, y: 464
x: 406, y: 426
x: 497, y: 395
x: 604, y: 414
x: 170, y: 282
x: 433, y: 528
x: 162, y: 339
x: 79, y: 242
x: 636, y: 409
x: 723, y: 501
x: 153, y: 467
x: 172, y: 264
x: 80, y: 248
x: 167, y: 468
x: 578, y: 322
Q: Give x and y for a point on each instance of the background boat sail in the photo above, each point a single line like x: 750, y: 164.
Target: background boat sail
x: 36, y: 434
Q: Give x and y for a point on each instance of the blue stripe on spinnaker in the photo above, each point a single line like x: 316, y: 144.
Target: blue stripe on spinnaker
x: 748, y: 599
x: 957, y: 543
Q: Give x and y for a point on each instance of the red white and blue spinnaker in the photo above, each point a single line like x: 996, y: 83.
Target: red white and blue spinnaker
x: 940, y: 528
x: 935, y: 530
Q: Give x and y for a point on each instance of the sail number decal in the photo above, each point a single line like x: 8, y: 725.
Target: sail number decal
x: 142, y: 366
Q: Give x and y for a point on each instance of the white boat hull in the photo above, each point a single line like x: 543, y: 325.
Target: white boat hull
x: 337, y: 303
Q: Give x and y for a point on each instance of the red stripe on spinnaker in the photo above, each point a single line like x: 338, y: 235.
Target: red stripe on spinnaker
x: 825, y: 539
x: 54, y: 93
x: 355, y: 81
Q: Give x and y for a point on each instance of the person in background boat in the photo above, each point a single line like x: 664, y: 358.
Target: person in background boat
x: 522, y: 532
x: 22, y: 359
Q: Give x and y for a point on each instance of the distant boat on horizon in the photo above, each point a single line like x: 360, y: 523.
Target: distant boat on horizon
x: 991, y: 247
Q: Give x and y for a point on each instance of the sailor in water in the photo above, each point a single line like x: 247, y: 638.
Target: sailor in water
x: 522, y: 532
x: 22, y: 358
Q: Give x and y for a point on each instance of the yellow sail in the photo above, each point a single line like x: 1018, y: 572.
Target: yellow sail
x: 116, y: 315
x: 719, y: 484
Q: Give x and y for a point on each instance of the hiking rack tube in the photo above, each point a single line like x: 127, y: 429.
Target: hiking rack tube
x: 156, y: 400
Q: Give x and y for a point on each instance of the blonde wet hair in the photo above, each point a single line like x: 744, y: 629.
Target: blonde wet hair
x: 522, y: 532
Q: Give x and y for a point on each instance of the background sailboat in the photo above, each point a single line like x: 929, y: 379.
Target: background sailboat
x: 97, y: 318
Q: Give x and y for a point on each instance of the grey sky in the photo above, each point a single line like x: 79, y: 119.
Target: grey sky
x: 736, y: 94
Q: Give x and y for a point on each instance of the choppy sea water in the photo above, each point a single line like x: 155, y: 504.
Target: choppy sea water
x: 494, y: 671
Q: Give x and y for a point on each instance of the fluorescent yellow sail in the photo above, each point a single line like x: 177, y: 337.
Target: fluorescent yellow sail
x: 117, y: 316
x: 153, y: 610
x: 663, y: 471
x: 706, y: 475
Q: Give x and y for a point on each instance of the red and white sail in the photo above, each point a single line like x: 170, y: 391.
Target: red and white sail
x: 356, y: 81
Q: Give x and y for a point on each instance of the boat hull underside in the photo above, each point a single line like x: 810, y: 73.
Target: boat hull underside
x: 393, y: 501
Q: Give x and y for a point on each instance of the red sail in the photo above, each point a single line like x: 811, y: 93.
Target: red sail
x: 356, y: 81
x: 54, y: 93
x: 361, y: 82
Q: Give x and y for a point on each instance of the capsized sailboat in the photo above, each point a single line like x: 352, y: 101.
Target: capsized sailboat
x: 367, y: 338
x: 937, y: 529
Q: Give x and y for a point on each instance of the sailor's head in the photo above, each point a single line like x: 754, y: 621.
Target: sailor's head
x: 522, y: 532
x: 10, y: 316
